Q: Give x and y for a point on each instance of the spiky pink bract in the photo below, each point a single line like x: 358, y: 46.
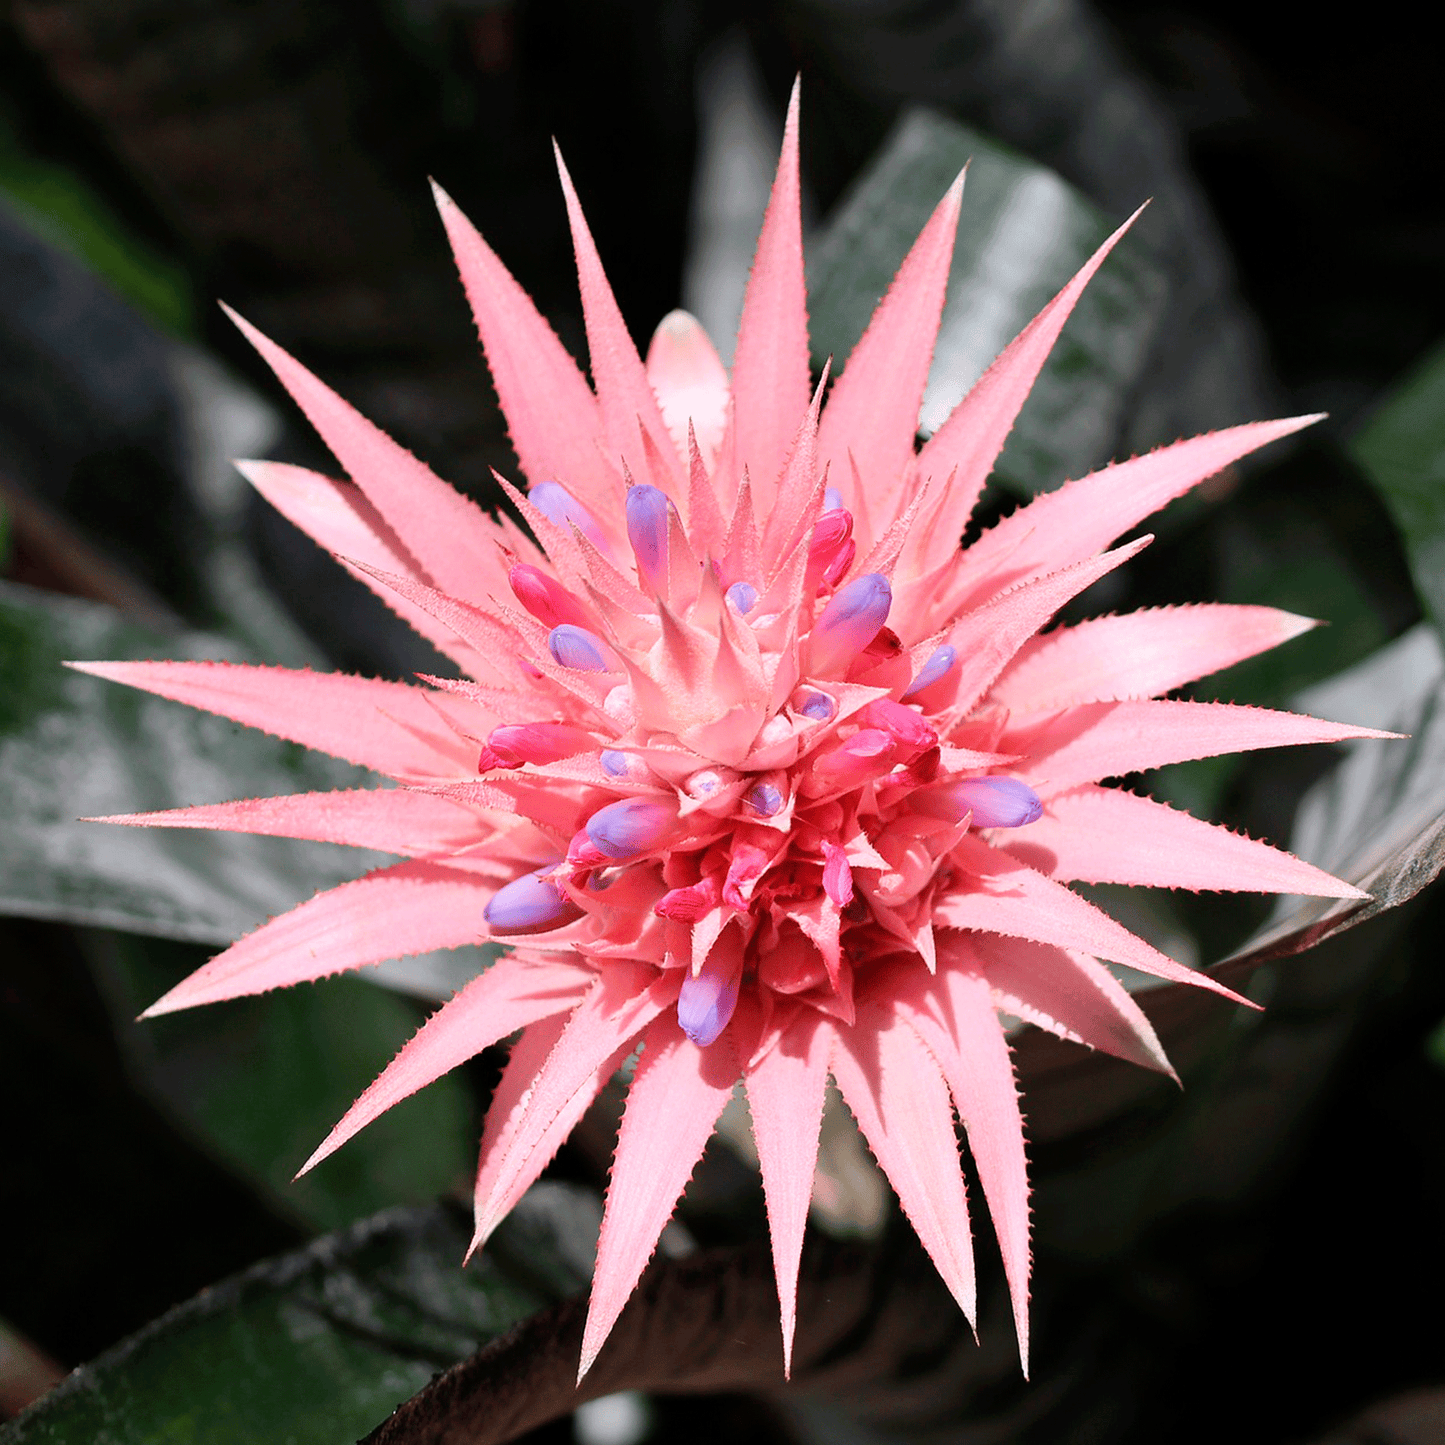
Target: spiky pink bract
x: 753, y: 767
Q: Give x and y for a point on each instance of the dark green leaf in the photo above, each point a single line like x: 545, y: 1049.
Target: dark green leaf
x: 259, y: 1082
x: 73, y: 746
x: 1402, y: 451
x: 1022, y: 234
x: 318, y: 1346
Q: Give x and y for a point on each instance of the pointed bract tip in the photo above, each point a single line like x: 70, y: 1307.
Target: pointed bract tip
x: 443, y: 201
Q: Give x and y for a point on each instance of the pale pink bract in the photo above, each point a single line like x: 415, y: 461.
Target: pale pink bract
x: 749, y: 762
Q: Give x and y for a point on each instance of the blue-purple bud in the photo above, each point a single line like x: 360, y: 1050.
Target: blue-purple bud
x: 615, y: 764
x: 743, y: 596
x: 647, y: 509
x: 705, y: 1005
x: 529, y: 904
x: 816, y: 705
x: 849, y: 623
x: 994, y: 802
x: 631, y: 827
x: 575, y: 647
x: 832, y: 499
x: 560, y: 507
x: 940, y: 663
x: 765, y: 799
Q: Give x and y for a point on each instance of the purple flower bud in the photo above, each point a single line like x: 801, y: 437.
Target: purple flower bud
x: 559, y: 506
x: 614, y: 763
x: 631, y: 827
x: 529, y: 904
x: 705, y: 1005
x: 849, y: 623
x: 647, y: 510
x: 994, y: 802
x: 832, y: 499
x: 765, y: 799
x: 577, y: 648
x: 816, y: 705
x: 743, y: 596
x: 940, y: 663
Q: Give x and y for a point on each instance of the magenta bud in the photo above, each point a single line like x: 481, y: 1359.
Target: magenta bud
x: 867, y: 752
x: 631, y: 827
x: 849, y: 623
x: 647, y: 509
x: 765, y: 799
x: 832, y: 499
x: 546, y: 599
x: 529, y: 904
x: 905, y: 724
x: 743, y: 596
x: 837, y: 874
x: 940, y: 663
x: 994, y: 802
x: 615, y: 764
x: 842, y: 561
x: 705, y: 1005
x: 690, y: 904
x: 826, y: 547
x: 560, y: 507
x: 543, y: 742
x: 577, y: 648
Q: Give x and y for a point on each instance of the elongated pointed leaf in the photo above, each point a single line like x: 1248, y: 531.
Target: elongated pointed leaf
x: 1022, y: 233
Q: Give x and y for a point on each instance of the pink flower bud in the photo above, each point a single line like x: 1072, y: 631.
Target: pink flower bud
x: 631, y: 827
x: 546, y: 599
x: 994, y: 802
x: 577, y: 648
x: 837, y: 874
x: 907, y: 726
x: 838, y: 567
x: 868, y: 754
x: 647, y: 512
x: 690, y: 904
x: 529, y: 904
x: 559, y: 506
x: 848, y: 624
x: 541, y: 742
x: 826, y: 546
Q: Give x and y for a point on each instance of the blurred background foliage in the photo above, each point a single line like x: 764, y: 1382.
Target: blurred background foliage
x: 156, y: 154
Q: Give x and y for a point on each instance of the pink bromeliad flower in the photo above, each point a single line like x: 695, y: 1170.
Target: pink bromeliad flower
x: 749, y: 764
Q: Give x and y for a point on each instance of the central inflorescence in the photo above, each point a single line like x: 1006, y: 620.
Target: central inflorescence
x: 778, y: 833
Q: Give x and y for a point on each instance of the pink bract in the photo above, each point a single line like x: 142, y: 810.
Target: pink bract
x: 815, y: 784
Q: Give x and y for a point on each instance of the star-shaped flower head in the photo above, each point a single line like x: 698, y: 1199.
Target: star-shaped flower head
x: 751, y: 766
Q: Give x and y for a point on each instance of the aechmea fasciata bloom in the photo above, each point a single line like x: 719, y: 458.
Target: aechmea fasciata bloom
x: 748, y: 763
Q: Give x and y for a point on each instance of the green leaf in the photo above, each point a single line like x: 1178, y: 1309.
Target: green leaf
x: 1022, y: 234
x: 258, y: 1083
x: 73, y: 746
x: 320, y: 1345
x: 1402, y: 451
x: 57, y: 203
